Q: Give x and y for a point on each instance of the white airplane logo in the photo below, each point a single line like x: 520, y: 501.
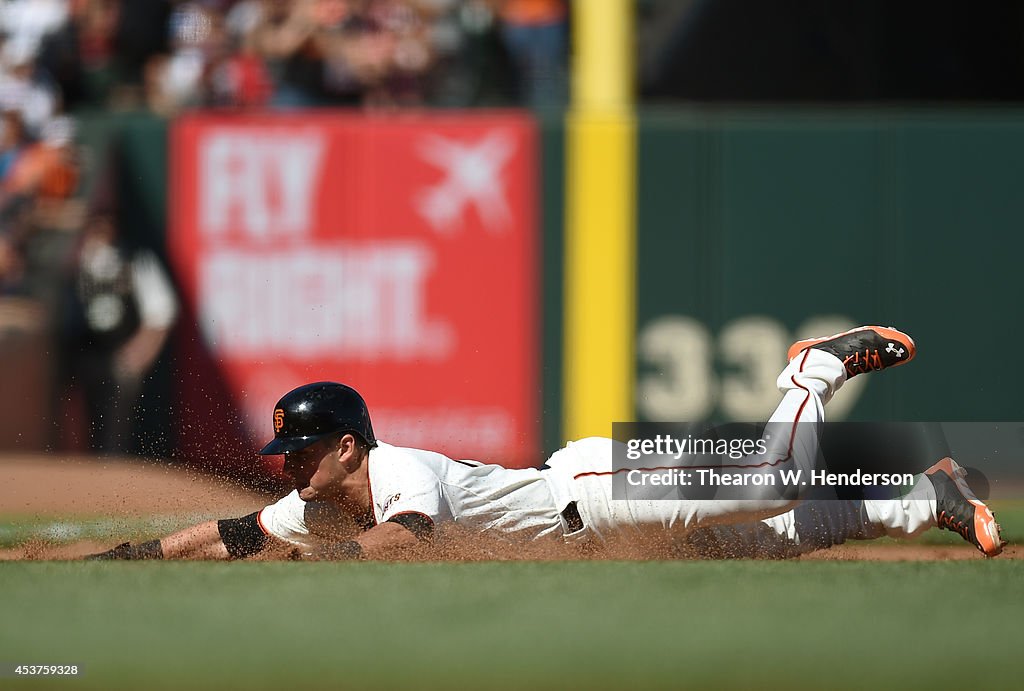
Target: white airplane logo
x: 472, y: 178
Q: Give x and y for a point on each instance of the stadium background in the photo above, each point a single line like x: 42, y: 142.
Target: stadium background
x: 781, y: 173
x: 767, y: 218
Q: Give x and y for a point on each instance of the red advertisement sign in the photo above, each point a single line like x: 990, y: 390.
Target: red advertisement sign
x: 397, y: 254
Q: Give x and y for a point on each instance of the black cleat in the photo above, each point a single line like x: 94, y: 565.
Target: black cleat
x: 958, y: 510
x: 864, y: 349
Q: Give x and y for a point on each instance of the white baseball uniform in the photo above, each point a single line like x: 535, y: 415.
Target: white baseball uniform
x: 528, y: 503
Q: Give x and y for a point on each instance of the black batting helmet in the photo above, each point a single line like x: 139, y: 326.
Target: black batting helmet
x: 311, y: 412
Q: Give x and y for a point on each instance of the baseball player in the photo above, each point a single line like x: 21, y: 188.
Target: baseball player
x: 399, y: 496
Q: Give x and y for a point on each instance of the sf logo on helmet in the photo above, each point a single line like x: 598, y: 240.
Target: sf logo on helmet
x: 278, y: 419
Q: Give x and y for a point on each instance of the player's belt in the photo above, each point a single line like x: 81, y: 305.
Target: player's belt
x: 571, y: 516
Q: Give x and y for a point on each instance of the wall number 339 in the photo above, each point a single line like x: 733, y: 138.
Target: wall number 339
x: 687, y: 373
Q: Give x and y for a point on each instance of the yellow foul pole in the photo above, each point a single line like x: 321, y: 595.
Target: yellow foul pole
x: 600, y: 232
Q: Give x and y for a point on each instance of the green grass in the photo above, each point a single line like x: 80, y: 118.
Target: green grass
x: 17, y: 529
x: 591, y: 625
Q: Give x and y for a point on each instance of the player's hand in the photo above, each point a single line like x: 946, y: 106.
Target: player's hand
x: 128, y: 551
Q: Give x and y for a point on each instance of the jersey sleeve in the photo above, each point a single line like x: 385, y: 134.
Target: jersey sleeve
x: 286, y: 520
x: 404, y: 486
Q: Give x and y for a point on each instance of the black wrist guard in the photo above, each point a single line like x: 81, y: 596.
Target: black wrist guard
x: 416, y: 523
x: 127, y: 551
x: 242, y: 536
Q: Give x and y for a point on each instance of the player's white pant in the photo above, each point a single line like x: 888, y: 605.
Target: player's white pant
x: 583, y: 471
x: 820, y: 524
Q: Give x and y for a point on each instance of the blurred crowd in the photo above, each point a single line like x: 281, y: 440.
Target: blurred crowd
x: 173, y: 54
x: 62, y: 57
x: 77, y: 289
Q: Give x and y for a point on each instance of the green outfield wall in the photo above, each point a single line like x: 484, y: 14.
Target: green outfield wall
x: 758, y: 227
x: 755, y: 228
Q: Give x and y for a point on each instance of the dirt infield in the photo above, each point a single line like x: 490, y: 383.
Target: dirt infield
x: 85, y: 486
x: 905, y: 552
x: 129, y: 489
x: 123, y: 490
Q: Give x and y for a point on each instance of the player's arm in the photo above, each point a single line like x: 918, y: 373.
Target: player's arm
x: 400, y: 532
x: 282, y: 524
x: 411, y: 503
x: 201, y: 541
x: 232, y: 538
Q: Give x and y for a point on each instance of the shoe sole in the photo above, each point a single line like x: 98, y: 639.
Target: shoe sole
x: 986, y: 529
x: 886, y: 332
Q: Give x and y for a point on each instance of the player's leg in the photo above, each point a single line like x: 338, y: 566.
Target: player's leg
x: 940, y: 498
x: 817, y: 369
x: 791, y: 443
x: 814, y: 525
x: 791, y: 440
